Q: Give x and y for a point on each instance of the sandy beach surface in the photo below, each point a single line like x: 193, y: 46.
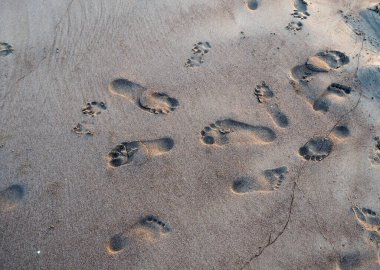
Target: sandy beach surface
x: 219, y: 134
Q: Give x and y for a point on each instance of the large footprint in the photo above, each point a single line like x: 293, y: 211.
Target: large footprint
x: 300, y: 9
x: 334, y: 93
x: 150, y: 228
x: 370, y: 221
x: 154, y: 102
x: 271, y: 180
x: 228, y: 130
x: 321, y: 62
x: 139, y: 152
x: 318, y: 148
x: 326, y: 61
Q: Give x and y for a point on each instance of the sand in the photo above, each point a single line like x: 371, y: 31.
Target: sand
x: 190, y: 134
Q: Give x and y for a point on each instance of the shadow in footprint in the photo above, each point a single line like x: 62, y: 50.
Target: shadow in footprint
x: 300, y: 9
x: 153, y: 102
x: 334, y: 93
x: 150, y: 228
x: 5, y: 49
x: 278, y: 117
x: 252, y: 4
x: 139, y: 152
x: 225, y: 131
x: 11, y: 196
x: 316, y: 149
x: 326, y: 61
x: 272, y: 180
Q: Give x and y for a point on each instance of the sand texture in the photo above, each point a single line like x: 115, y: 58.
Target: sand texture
x: 190, y: 134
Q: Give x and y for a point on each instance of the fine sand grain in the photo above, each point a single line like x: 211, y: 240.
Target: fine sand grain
x: 190, y: 134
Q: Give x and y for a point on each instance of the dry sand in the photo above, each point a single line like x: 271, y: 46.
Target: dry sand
x: 218, y: 134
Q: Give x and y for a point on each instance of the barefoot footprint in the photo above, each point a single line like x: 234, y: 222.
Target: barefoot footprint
x: 264, y: 94
x: 228, y: 130
x: 149, y: 228
x: 327, y: 60
x: 11, y: 196
x: 5, y: 49
x: 335, y: 92
x: 370, y: 221
x: 318, y: 148
x: 375, y: 154
x: 300, y: 9
x: 252, y: 4
x: 198, y: 52
x: 272, y: 180
x: 139, y: 152
x: 90, y: 108
x: 153, y: 102
x: 321, y: 62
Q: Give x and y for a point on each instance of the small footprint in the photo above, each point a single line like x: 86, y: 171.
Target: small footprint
x: 294, y: 26
x: 80, y: 129
x: 153, y: 102
x: 326, y: 61
x: 90, y: 108
x: 272, y: 180
x: 279, y: 118
x: 333, y: 93
x: 198, y: 51
x: 375, y: 154
x: 300, y: 10
x: 150, y: 228
x: 321, y: 62
x: 276, y: 176
x: 5, y: 49
x: 370, y: 221
x: 252, y: 4
x: 225, y: 131
x: 316, y: 149
x: 11, y: 196
x: 117, y: 243
x: 139, y: 152
x: 263, y: 92
x: 341, y: 132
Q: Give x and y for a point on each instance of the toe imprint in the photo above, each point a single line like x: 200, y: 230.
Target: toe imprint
x: 316, y: 149
x: 220, y: 132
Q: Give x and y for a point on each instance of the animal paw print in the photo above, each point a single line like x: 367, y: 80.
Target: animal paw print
x: 198, y: 51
